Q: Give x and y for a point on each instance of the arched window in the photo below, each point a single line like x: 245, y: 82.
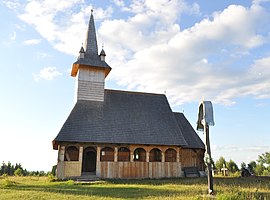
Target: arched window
x: 140, y: 155
x: 123, y: 154
x: 170, y: 155
x: 72, y: 154
x: 155, y: 155
x: 107, y: 154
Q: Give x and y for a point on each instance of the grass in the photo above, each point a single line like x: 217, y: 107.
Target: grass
x: 191, y: 188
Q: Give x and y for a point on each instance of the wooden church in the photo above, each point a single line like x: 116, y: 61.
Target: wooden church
x: 121, y: 134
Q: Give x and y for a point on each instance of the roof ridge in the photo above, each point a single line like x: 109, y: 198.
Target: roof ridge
x: 136, y: 92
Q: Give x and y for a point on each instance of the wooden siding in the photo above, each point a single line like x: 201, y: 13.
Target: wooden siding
x: 73, y: 168
x: 192, y: 158
x: 139, y: 170
x: 90, y: 85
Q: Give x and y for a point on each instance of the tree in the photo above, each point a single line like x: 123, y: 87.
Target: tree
x: 259, y: 169
x: 243, y: 165
x: 232, y: 166
x: 18, y: 172
x: 264, y: 158
x: 251, y: 166
x: 220, y: 163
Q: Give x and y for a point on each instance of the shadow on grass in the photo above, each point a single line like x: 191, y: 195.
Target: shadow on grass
x: 106, y: 190
x: 253, y: 188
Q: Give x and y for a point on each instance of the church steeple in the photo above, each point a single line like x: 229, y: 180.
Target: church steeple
x: 91, y: 38
x: 90, y: 68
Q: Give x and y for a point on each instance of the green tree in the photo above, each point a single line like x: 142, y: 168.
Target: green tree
x: 259, y: 169
x: 18, y: 172
x: 232, y: 166
x: 243, y: 165
x: 264, y: 158
x: 220, y: 163
x: 252, y: 166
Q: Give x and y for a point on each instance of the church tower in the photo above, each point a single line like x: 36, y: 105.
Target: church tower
x: 90, y: 69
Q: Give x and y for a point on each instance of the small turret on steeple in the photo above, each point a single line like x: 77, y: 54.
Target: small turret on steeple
x: 82, y: 52
x: 102, y: 55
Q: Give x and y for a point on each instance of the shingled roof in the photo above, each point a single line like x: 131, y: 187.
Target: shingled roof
x: 191, y: 137
x: 128, y: 118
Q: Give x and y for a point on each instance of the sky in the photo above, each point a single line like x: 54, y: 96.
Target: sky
x: 189, y: 50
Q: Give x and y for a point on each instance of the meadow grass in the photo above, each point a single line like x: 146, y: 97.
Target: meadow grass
x: 182, y: 188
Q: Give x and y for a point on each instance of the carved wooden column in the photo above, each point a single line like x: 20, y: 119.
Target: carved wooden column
x: 115, y: 154
x: 61, y: 153
x: 98, y: 162
x: 147, y: 156
x: 81, y: 154
x: 178, y: 155
x: 131, y: 156
x: 162, y: 156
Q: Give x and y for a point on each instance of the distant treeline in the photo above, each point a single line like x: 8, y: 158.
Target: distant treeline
x: 261, y: 167
x: 17, y: 170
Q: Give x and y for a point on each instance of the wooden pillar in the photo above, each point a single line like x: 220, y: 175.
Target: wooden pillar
x: 131, y: 156
x: 162, y: 156
x: 178, y: 154
x: 147, y: 156
x: 61, y: 153
x: 81, y: 154
x: 115, y: 154
x: 98, y: 162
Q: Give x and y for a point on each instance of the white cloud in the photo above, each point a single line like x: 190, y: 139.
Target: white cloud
x: 12, y: 4
x: 47, y: 73
x: 13, y: 36
x: 32, y: 42
x: 149, y: 52
x: 179, y: 62
x: 120, y: 3
x: 50, y: 20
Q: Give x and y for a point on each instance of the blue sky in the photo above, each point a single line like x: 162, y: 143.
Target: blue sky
x: 216, y: 50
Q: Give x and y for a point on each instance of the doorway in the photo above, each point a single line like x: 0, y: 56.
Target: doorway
x: 89, y: 160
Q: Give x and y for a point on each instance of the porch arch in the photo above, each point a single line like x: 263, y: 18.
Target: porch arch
x: 72, y: 154
x: 139, y: 155
x: 170, y: 155
x: 107, y: 154
x: 155, y: 155
x: 123, y: 154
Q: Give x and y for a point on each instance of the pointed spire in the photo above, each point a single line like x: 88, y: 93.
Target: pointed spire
x: 91, y: 39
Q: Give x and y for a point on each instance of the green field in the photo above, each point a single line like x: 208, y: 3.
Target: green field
x: 184, y: 188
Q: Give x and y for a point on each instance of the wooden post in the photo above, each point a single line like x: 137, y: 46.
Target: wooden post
x: 147, y: 156
x: 98, y: 162
x: 178, y: 154
x: 61, y: 153
x: 131, y: 156
x: 115, y: 154
x: 162, y: 156
x: 209, y: 162
x: 81, y: 154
